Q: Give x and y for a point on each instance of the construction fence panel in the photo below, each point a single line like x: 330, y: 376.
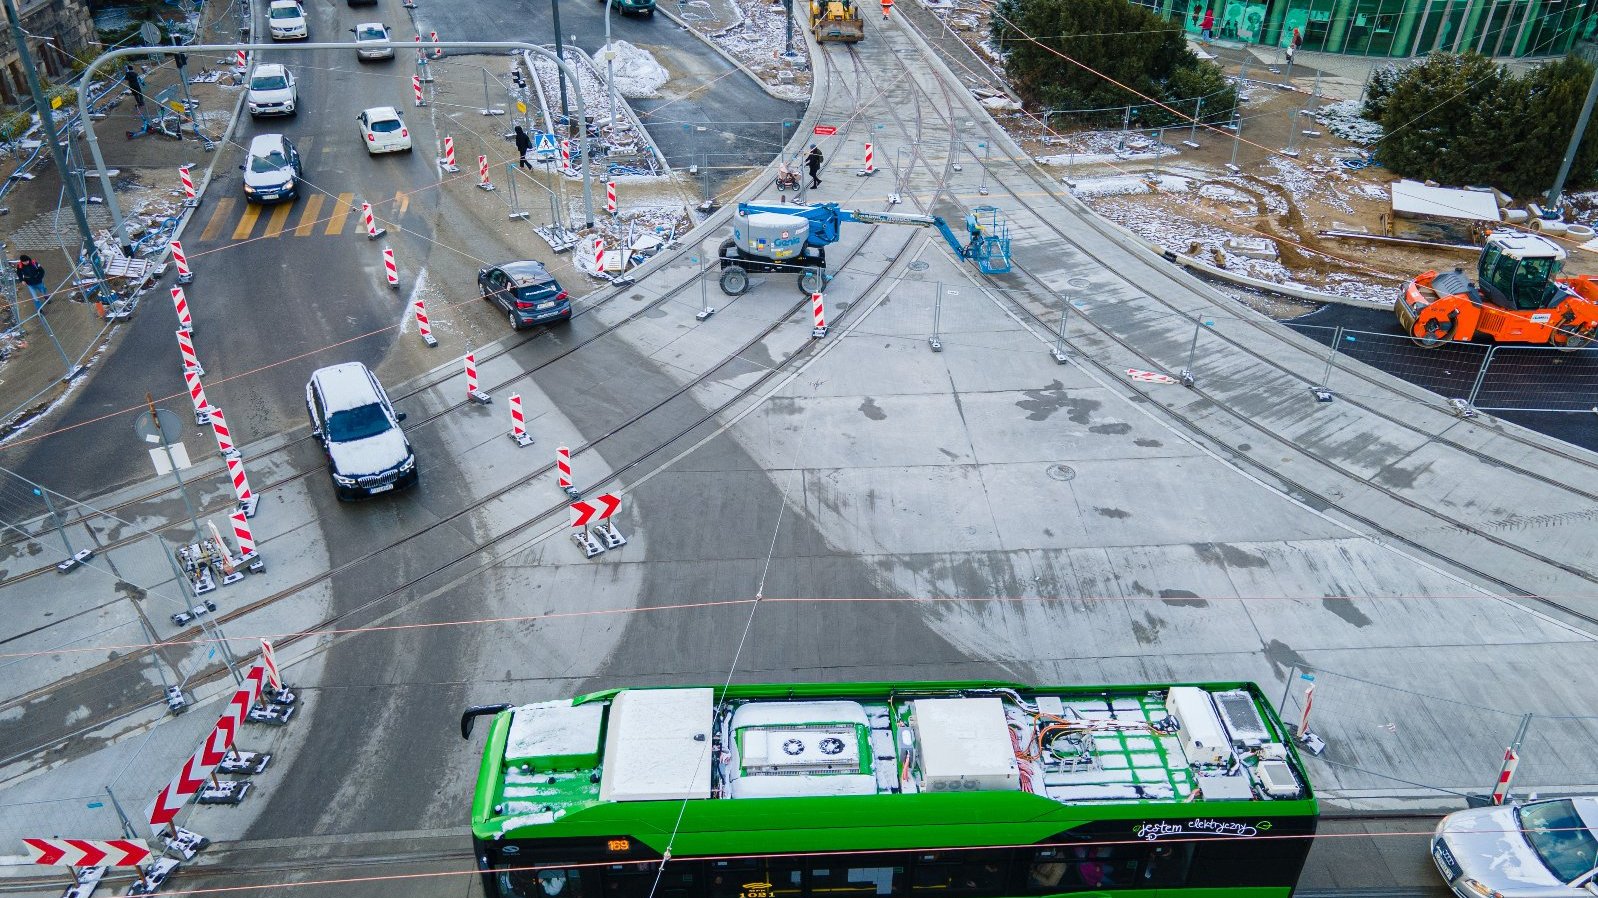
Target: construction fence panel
x: 1540, y: 378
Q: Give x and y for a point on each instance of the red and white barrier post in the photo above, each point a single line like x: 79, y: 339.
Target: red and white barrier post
x: 224, y: 436
x: 246, y: 540
x: 1309, y: 702
x: 871, y: 164
x: 372, y: 230
x: 241, y: 486
x: 416, y: 89
x: 482, y: 174
x: 518, y: 424
x: 181, y: 304
x: 185, y: 276
x: 448, y: 162
x: 599, y: 255
x: 422, y: 327
x: 191, y: 361
x: 610, y: 197
x: 390, y: 271
x: 1505, y: 774
x: 438, y: 52
x: 202, y: 406
x: 190, y: 199
x: 565, y: 154
x: 818, y: 309
x: 239, y: 61
x: 563, y: 470
x: 472, y: 392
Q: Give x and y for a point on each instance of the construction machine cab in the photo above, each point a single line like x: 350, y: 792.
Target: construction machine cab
x: 1518, y: 271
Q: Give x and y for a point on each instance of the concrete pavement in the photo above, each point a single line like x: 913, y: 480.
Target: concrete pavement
x: 904, y: 514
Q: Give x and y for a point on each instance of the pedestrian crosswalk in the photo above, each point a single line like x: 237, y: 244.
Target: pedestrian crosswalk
x: 312, y: 215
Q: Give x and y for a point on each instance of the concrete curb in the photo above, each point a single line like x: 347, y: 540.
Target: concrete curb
x: 1243, y: 280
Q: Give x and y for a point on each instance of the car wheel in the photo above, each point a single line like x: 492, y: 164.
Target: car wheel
x: 515, y: 323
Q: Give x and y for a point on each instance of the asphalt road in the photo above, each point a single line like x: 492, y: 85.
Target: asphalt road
x: 742, y: 124
x: 1552, y: 392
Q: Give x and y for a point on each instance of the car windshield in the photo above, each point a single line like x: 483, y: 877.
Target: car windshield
x: 1558, y: 835
x: 385, y: 125
x: 271, y: 162
x: 357, y: 423
x: 286, y: 12
x: 268, y: 82
x: 371, y: 34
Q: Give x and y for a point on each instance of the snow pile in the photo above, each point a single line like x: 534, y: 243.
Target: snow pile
x: 758, y: 41
x: 638, y: 75
x: 1001, y: 104
x: 1343, y: 119
x: 1121, y: 185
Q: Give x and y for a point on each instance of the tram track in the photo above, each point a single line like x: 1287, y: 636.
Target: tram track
x: 1004, y: 179
x: 343, y: 618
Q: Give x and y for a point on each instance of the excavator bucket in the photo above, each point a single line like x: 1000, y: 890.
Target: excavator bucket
x: 990, y: 240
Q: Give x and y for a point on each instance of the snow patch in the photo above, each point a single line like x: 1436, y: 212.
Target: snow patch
x: 638, y: 75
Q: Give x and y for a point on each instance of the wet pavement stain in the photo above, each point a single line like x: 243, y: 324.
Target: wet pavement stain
x: 1181, y: 598
x: 1042, y: 403
x: 1115, y: 429
x: 1147, y: 443
x: 1227, y: 555
x: 1117, y: 513
x: 871, y: 410
x: 1344, y: 608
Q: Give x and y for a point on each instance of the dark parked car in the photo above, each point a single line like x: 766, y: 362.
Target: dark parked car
x: 367, y: 452
x: 527, y: 292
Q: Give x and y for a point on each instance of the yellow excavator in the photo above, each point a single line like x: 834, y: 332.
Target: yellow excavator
x: 836, y: 20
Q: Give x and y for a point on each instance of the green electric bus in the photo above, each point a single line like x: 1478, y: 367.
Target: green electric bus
x: 924, y: 790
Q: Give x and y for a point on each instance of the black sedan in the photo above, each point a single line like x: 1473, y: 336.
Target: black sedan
x: 526, y: 291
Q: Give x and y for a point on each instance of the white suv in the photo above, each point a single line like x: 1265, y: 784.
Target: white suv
x: 272, y: 91
x: 287, y: 20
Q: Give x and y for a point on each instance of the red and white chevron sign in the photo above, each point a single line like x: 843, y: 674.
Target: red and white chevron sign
x: 199, y: 765
x: 87, y: 852
x: 1149, y: 377
x: 588, y: 511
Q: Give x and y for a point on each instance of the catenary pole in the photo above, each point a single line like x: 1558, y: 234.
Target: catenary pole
x: 1555, y: 191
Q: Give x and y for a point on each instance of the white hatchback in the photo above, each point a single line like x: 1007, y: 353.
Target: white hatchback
x: 287, y: 20
x: 371, y: 33
x: 383, y: 131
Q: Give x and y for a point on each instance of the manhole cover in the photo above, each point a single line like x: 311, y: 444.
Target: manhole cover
x: 1079, y: 283
x: 1062, y: 472
x: 918, y: 265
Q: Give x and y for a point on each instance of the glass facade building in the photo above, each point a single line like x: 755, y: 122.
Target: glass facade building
x: 1398, y: 28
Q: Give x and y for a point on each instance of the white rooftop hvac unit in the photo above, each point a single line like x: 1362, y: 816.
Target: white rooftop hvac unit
x: 1242, y: 718
x: 816, y: 749
x: 1277, y: 779
x: 1203, y: 739
x: 965, y: 745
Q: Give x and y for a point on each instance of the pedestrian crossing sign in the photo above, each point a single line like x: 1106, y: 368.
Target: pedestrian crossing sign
x: 544, y: 145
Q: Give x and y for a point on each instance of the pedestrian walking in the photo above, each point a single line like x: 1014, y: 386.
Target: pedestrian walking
x: 887, y: 7
x: 136, y: 86
x: 524, y: 145
x: 31, y: 273
x: 813, y: 162
x: 1209, y: 23
x: 1293, y: 44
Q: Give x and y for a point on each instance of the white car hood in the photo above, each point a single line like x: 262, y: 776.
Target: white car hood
x: 372, y: 455
x: 1488, y: 845
x: 280, y: 95
x: 268, y: 179
x: 294, y: 24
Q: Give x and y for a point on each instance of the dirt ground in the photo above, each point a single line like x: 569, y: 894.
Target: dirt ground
x: 1186, y: 198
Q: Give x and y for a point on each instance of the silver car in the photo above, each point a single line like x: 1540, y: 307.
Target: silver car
x: 1539, y: 849
x: 372, y: 34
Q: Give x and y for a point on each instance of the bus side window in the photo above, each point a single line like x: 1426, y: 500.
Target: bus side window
x: 680, y: 879
x: 552, y: 882
x: 966, y: 873
x: 843, y: 876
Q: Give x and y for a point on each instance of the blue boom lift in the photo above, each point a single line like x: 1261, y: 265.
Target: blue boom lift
x: 795, y: 238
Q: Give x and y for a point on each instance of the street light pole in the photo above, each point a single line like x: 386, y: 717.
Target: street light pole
x: 610, y: 69
x: 53, y: 140
x: 787, y: 52
x: 560, y: 59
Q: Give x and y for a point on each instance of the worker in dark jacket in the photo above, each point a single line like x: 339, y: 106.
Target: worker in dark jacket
x: 31, y: 273
x: 524, y: 145
x: 813, y: 162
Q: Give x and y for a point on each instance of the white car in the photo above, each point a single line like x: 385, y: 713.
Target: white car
x: 1536, y: 849
x: 383, y: 131
x: 272, y: 91
x: 372, y: 33
x: 287, y: 20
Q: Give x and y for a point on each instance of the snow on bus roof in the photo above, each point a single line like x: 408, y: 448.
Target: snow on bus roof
x: 658, y: 745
